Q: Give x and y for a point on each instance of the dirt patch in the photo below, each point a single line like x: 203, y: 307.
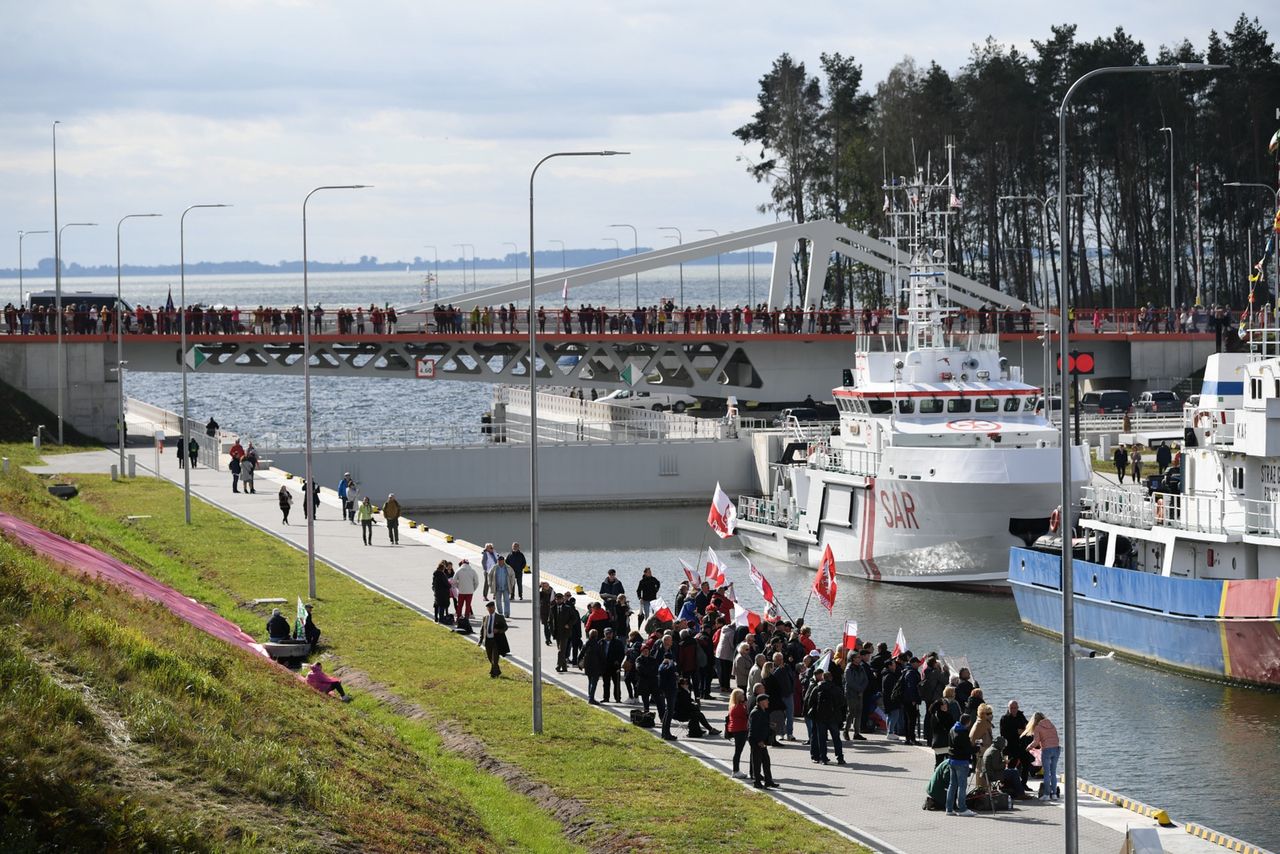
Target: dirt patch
x: 573, y: 815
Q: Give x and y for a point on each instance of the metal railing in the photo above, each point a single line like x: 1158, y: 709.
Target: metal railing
x: 847, y: 460
x: 1202, y: 514
x: 766, y: 511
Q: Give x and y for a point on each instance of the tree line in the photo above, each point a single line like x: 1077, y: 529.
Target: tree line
x: 825, y: 143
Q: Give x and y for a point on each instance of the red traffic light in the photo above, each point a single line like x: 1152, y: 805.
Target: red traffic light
x: 1078, y: 363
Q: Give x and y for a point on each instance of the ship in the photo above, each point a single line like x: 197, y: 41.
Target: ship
x: 1181, y: 571
x: 942, y: 457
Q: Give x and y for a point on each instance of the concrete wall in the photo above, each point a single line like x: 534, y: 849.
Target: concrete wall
x: 91, y: 401
x: 494, y: 476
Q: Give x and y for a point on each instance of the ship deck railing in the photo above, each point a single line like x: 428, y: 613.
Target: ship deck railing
x: 845, y: 460
x: 1134, y: 508
x: 766, y: 511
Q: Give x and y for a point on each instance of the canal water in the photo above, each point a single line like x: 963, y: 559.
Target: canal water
x: 1204, y: 751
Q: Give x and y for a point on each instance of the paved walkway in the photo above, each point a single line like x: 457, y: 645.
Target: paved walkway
x: 876, y: 799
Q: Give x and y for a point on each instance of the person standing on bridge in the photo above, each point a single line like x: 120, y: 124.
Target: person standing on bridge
x: 391, y: 512
x: 211, y: 429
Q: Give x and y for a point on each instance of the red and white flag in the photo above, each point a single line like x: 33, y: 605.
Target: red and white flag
x: 851, y: 634
x: 761, y: 583
x: 723, y: 517
x: 744, y: 617
x: 900, y: 645
x: 691, y: 574
x: 662, y: 612
x: 824, y: 583
x: 715, y: 570
x: 731, y: 594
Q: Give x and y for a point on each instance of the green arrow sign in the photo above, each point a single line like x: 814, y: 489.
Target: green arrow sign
x: 195, y: 358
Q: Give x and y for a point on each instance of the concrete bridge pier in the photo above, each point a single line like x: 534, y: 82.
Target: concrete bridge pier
x: 91, y: 400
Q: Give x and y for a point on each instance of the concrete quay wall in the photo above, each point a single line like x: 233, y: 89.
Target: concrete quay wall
x: 91, y: 390
x: 573, y: 475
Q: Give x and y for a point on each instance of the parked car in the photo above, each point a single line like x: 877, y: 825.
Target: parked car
x: 1158, y: 401
x: 807, y: 414
x: 1106, y: 402
x: 655, y: 400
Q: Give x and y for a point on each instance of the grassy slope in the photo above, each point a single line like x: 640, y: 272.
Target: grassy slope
x: 631, y: 784
x: 20, y: 415
x: 111, y: 739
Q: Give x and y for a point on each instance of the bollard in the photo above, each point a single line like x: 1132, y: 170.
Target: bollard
x: 133, y: 465
x: 115, y: 473
x: 4, y: 464
x: 35, y: 441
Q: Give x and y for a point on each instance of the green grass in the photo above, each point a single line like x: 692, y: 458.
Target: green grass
x: 636, y: 792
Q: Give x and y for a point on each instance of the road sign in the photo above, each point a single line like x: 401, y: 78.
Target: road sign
x: 426, y: 367
x: 195, y: 358
x: 631, y: 375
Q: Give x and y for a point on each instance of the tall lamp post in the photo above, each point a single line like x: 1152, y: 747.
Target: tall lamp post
x: 1173, y: 264
x: 463, y: 247
x: 436, y: 257
x: 182, y: 348
x: 719, y: 299
x: 59, y: 322
x: 533, y: 441
x: 679, y: 242
x: 119, y: 330
x: 57, y: 282
x: 308, y: 486
x: 635, y: 236
x: 21, y: 236
x: 617, y: 254
x: 1276, y: 199
x: 1072, y: 834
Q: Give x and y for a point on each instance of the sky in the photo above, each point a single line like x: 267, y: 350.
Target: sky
x: 444, y: 108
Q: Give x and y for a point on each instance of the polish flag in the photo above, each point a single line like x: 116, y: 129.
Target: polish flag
x: 691, y: 574
x: 715, y: 570
x: 662, y: 612
x: 761, y: 583
x: 743, y: 617
x: 899, y: 645
x: 851, y: 634
x: 824, y: 583
x: 731, y: 594
x: 723, y: 517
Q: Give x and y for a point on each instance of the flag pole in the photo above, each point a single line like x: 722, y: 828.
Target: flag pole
x: 776, y: 601
x: 806, y: 605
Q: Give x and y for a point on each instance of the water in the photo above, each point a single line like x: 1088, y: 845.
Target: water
x: 1201, y: 750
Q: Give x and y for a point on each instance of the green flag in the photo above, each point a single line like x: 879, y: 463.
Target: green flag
x: 299, y: 632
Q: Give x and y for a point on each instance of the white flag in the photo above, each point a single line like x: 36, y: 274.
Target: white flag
x: 723, y: 517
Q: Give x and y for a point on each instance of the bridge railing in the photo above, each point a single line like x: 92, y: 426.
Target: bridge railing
x: 766, y: 511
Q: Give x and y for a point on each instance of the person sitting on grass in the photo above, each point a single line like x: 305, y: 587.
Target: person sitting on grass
x: 324, y: 683
x: 278, y: 628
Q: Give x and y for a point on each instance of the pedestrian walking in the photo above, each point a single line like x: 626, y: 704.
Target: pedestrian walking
x: 193, y: 451
x: 493, y: 636
x: 1135, y: 460
x: 1121, y: 458
x: 248, y: 467
x: 391, y: 513
x: 758, y: 733
x: 500, y: 582
x: 467, y: 580
x: 517, y: 562
x: 735, y: 726
x: 286, y: 502
x: 234, y: 467
x: 647, y: 591
x: 365, y: 512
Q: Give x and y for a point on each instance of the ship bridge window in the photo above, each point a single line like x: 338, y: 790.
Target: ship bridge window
x: 1011, y: 404
x: 1237, y: 478
x: 1255, y: 388
x: 906, y: 406
x: 987, y: 404
x: 930, y: 406
x: 1030, y: 404
x: 959, y: 404
x: 880, y: 407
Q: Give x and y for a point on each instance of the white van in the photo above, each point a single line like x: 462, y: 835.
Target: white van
x: 655, y: 400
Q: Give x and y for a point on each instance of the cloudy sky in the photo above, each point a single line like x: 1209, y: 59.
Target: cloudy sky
x: 444, y: 107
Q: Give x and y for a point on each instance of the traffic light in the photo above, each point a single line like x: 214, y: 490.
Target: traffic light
x: 1078, y: 363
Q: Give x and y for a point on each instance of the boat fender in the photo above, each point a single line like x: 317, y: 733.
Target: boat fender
x: 1055, y: 519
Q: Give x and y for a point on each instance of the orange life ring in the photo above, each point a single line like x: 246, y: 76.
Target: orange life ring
x: 1204, y: 420
x: 1055, y: 519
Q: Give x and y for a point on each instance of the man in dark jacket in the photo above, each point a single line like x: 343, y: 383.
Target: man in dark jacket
x: 563, y: 618
x: 1012, y: 724
x: 647, y: 591
x: 668, y: 680
x: 911, y: 699
x: 758, y: 733
x: 614, y: 653
x: 960, y: 756
x: 892, y: 704
x: 856, y: 680
x: 593, y: 654
x: 825, y: 706
x: 493, y: 636
x: 278, y: 627
x: 611, y: 586
x: 516, y: 562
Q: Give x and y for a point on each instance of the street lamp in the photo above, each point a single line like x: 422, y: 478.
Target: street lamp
x: 1072, y: 834
x: 119, y: 330
x: 182, y: 349
x: 719, y: 299
x: 1173, y: 267
x: 1276, y: 198
x: 22, y: 235
x: 58, y: 322
x: 635, y: 236
x: 533, y: 442
x: 515, y: 260
x: 463, y: 247
x: 436, y: 257
x: 308, y: 486
x: 57, y: 279
x: 617, y: 254
x: 680, y: 242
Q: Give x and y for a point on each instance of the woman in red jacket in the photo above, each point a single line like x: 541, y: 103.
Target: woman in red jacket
x: 736, y: 726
